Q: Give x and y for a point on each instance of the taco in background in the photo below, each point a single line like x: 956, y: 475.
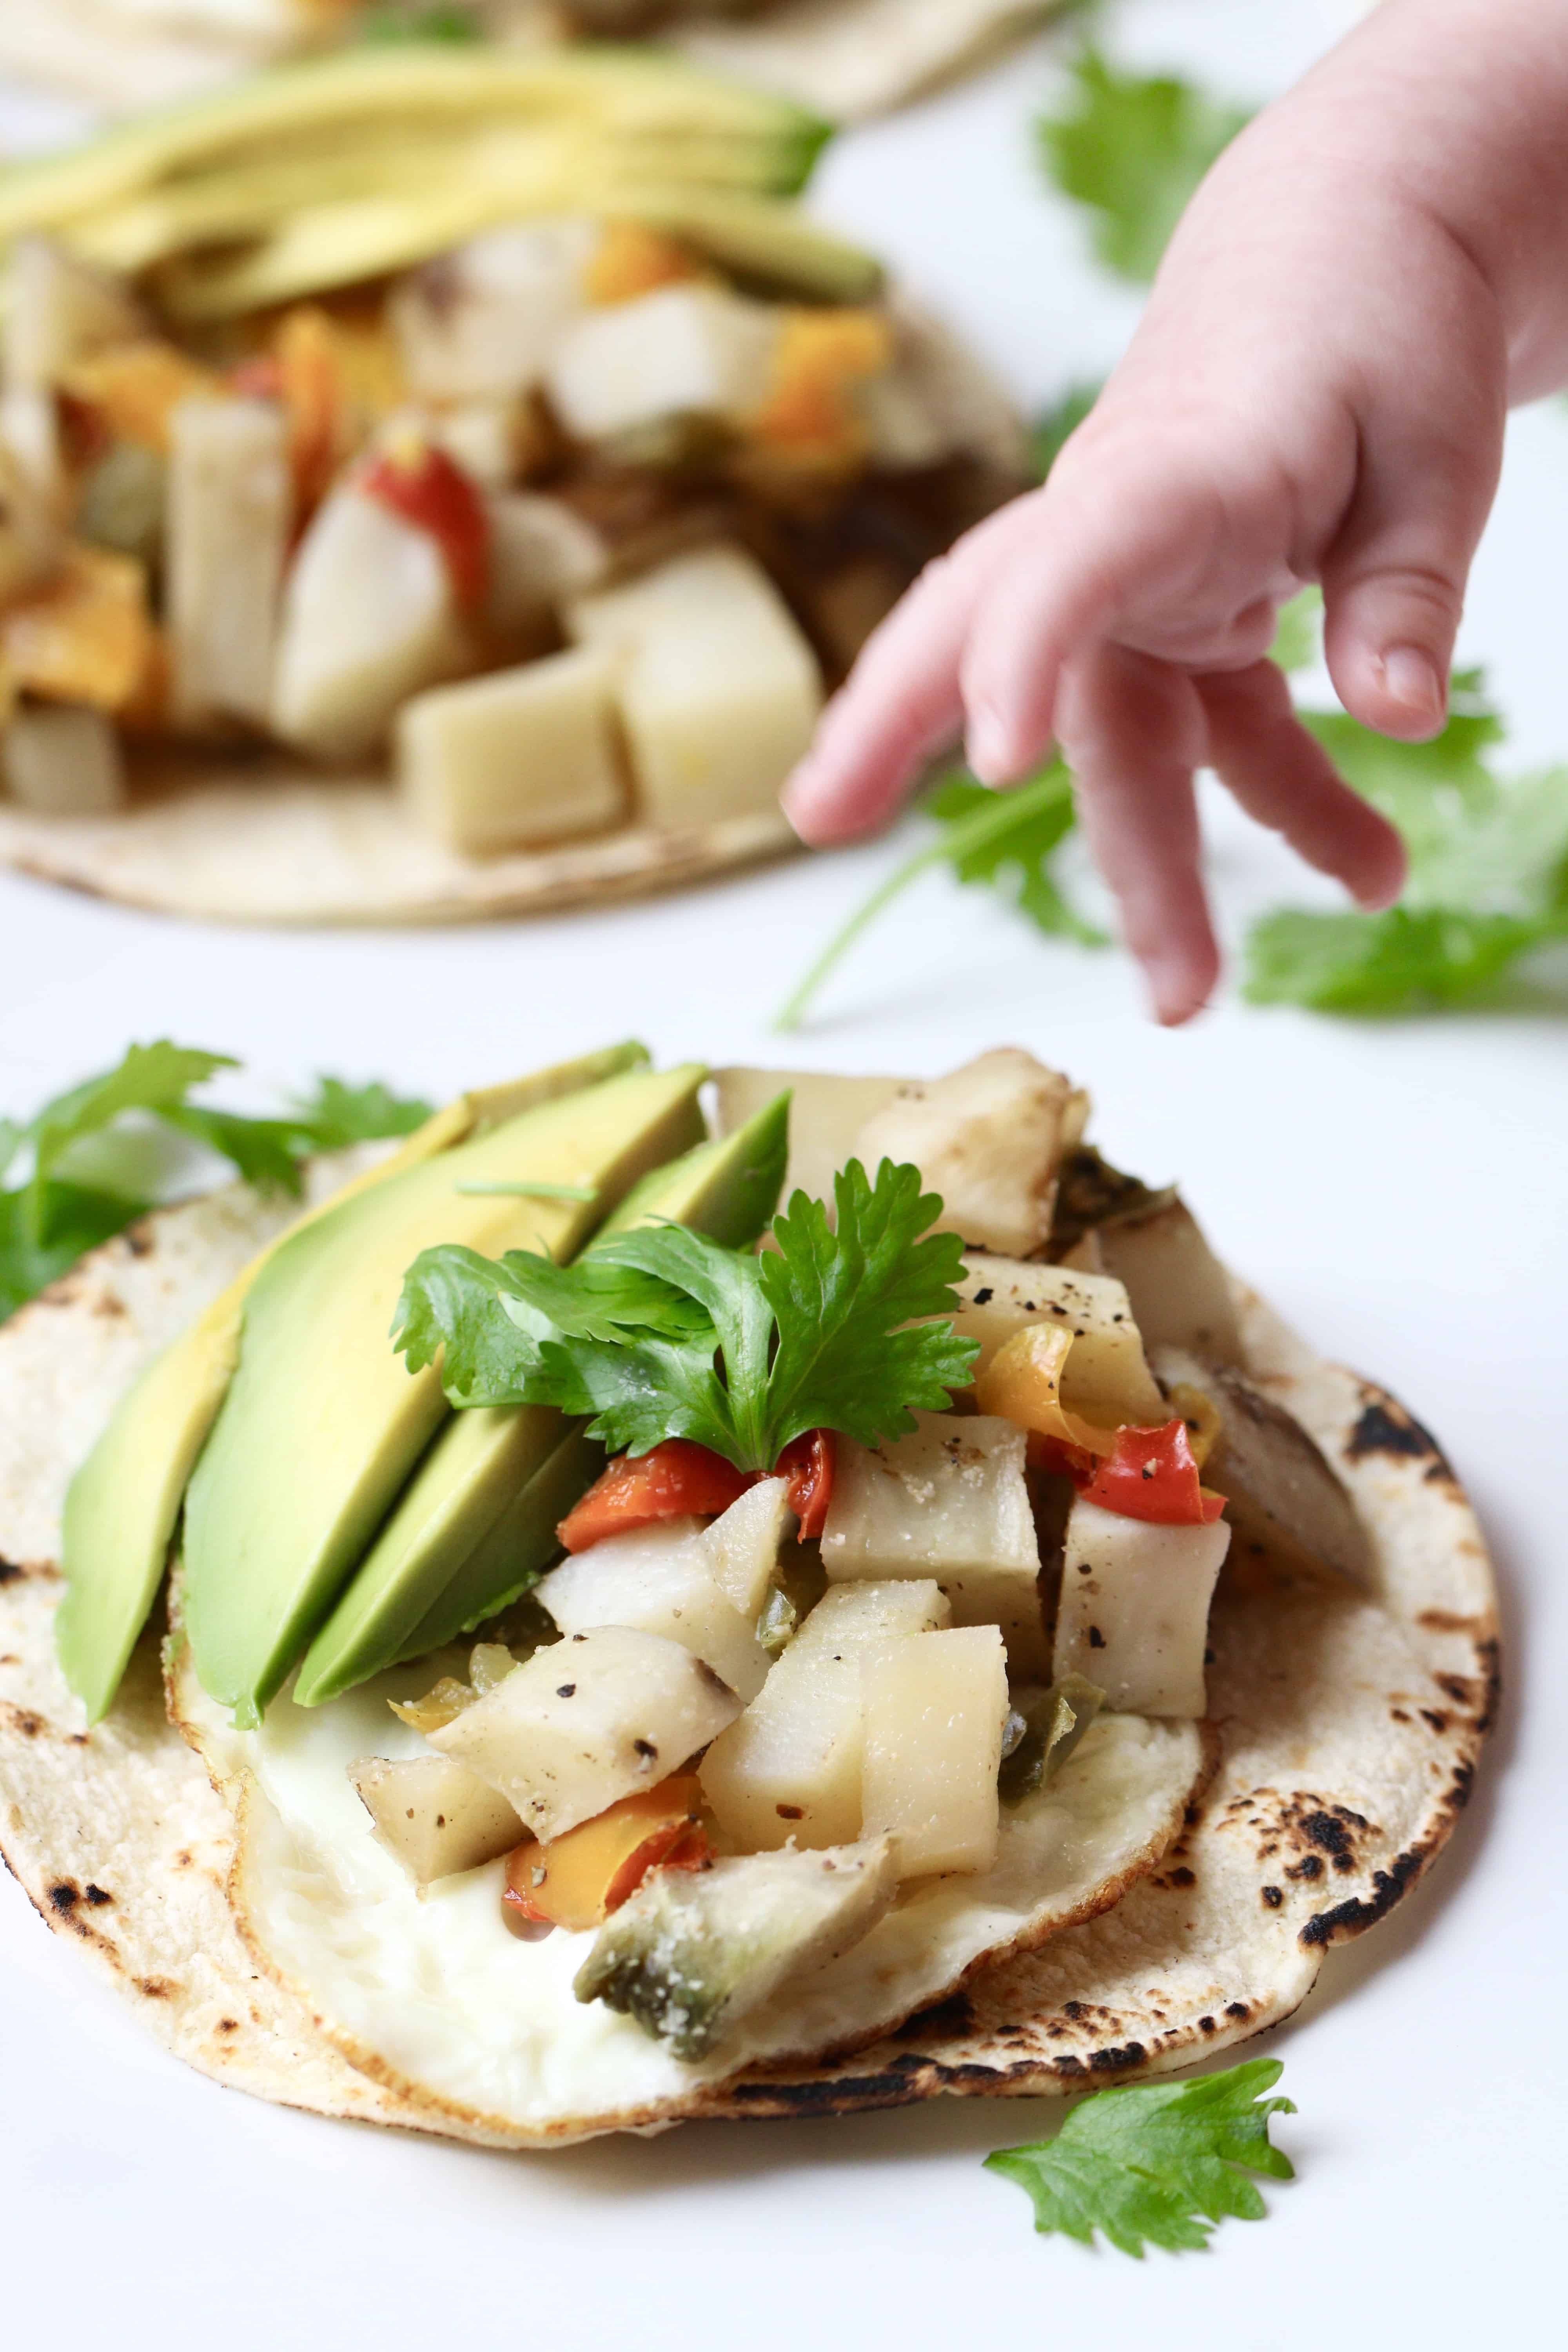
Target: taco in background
x: 849, y: 59
x: 1093, y: 1661
x: 439, y: 485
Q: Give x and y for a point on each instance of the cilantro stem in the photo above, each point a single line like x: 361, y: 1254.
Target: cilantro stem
x: 952, y: 847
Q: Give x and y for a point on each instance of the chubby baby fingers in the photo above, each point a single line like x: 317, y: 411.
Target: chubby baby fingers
x: 1133, y: 732
x: 900, y: 702
x: 1282, y: 776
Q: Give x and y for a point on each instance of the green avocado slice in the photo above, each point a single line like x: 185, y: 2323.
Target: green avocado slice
x: 123, y: 1503
x: 475, y: 1525
x: 323, y: 1421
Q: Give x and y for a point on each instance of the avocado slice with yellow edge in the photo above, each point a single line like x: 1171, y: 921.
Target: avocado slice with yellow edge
x: 475, y: 1525
x: 323, y: 1421
x: 122, y: 1504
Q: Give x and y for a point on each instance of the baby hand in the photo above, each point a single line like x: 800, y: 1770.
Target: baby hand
x: 1317, y: 393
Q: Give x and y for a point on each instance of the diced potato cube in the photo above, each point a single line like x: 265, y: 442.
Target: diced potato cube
x: 1179, y: 1291
x: 63, y: 761
x: 935, y: 1706
x: 1281, y: 1490
x: 1134, y: 1608
x: 525, y: 754
x: 790, y: 1766
x: 691, y: 1954
x: 368, y: 620
x: 949, y: 1501
x: 587, y: 1720
x: 541, y: 554
x: 482, y: 320
x: 661, y: 1585
x: 435, y: 1816
x: 230, y: 512
x: 825, y: 1115
x: 989, y: 1138
x: 682, y: 351
x: 741, y: 1549
x: 1106, y: 1379
x: 719, y: 689
x: 57, y: 311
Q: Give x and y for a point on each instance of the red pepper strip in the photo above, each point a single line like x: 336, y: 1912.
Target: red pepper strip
x: 680, y: 1478
x: 672, y: 1480
x: 420, y: 483
x: 1054, y: 1455
x: 1152, y: 1475
x: 808, y: 1463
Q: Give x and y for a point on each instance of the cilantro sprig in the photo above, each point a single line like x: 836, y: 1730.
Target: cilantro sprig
x: 1131, y: 149
x: 663, y: 1333
x: 1156, y: 2164
x: 88, y: 1173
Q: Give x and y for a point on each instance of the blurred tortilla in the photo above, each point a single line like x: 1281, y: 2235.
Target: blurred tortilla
x: 845, y: 58
x: 1349, y: 1728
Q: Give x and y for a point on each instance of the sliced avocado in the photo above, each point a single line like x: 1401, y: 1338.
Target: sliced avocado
x: 123, y: 1502
x: 323, y: 1421
x: 475, y: 1524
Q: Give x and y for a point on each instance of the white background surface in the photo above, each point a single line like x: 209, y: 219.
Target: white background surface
x: 1398, y: 1190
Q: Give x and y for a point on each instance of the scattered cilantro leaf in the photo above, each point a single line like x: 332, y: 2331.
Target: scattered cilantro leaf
x: 1156, y: 2163
x: 984, y: 835
x: 1399, y: 961
x: 1055, y: 426
x: 447, y: 24
x: 664, y: 1333
x: 1298, y: 634
x: 1133, y: 149
x: 337, y: 1114
x: 89, y: 1168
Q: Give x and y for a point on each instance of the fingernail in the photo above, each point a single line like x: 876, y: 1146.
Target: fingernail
x: 1412, y: 679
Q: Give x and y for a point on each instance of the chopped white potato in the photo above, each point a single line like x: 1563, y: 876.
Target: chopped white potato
x: 541, y: 554
x: 230, y: 512
x: 589, y: 1719
x: 525, y: 754
x: 825, y: 1117
x: 935, y: 1706
x: 30, y: 438
x: 1179, y: 1291
x: 682, y: 351
x: 368, y: 620
x: 719, y: 689
x: 434, y: 1815
x: 692, y: 1952
x: 1106, y: 1377
x: 659, y: 1583
x: 1135, y: 1609
x: 741, y: 1549
x: 989, y: 1138
x: 63, y: 760
x: 790, y: 1766
x: 949, y: 1501
x: 1280, y: 1489
x: 483, y: 320
x: 57, y: 311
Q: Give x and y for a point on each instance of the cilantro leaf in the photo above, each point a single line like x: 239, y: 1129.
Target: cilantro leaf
x: 447, y: 24
x: 983, y: 835
x: 1398, y: 962
x: 337, y: 1114
x: 1156, y: 2163
x: 661, y: 1332
x: 92, y: 1169
x: 1133, y: 149
x: 1040, y: 817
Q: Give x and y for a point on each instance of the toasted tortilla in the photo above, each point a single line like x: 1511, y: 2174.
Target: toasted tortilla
x: 1345, y: 1726
x: 847, y: 58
